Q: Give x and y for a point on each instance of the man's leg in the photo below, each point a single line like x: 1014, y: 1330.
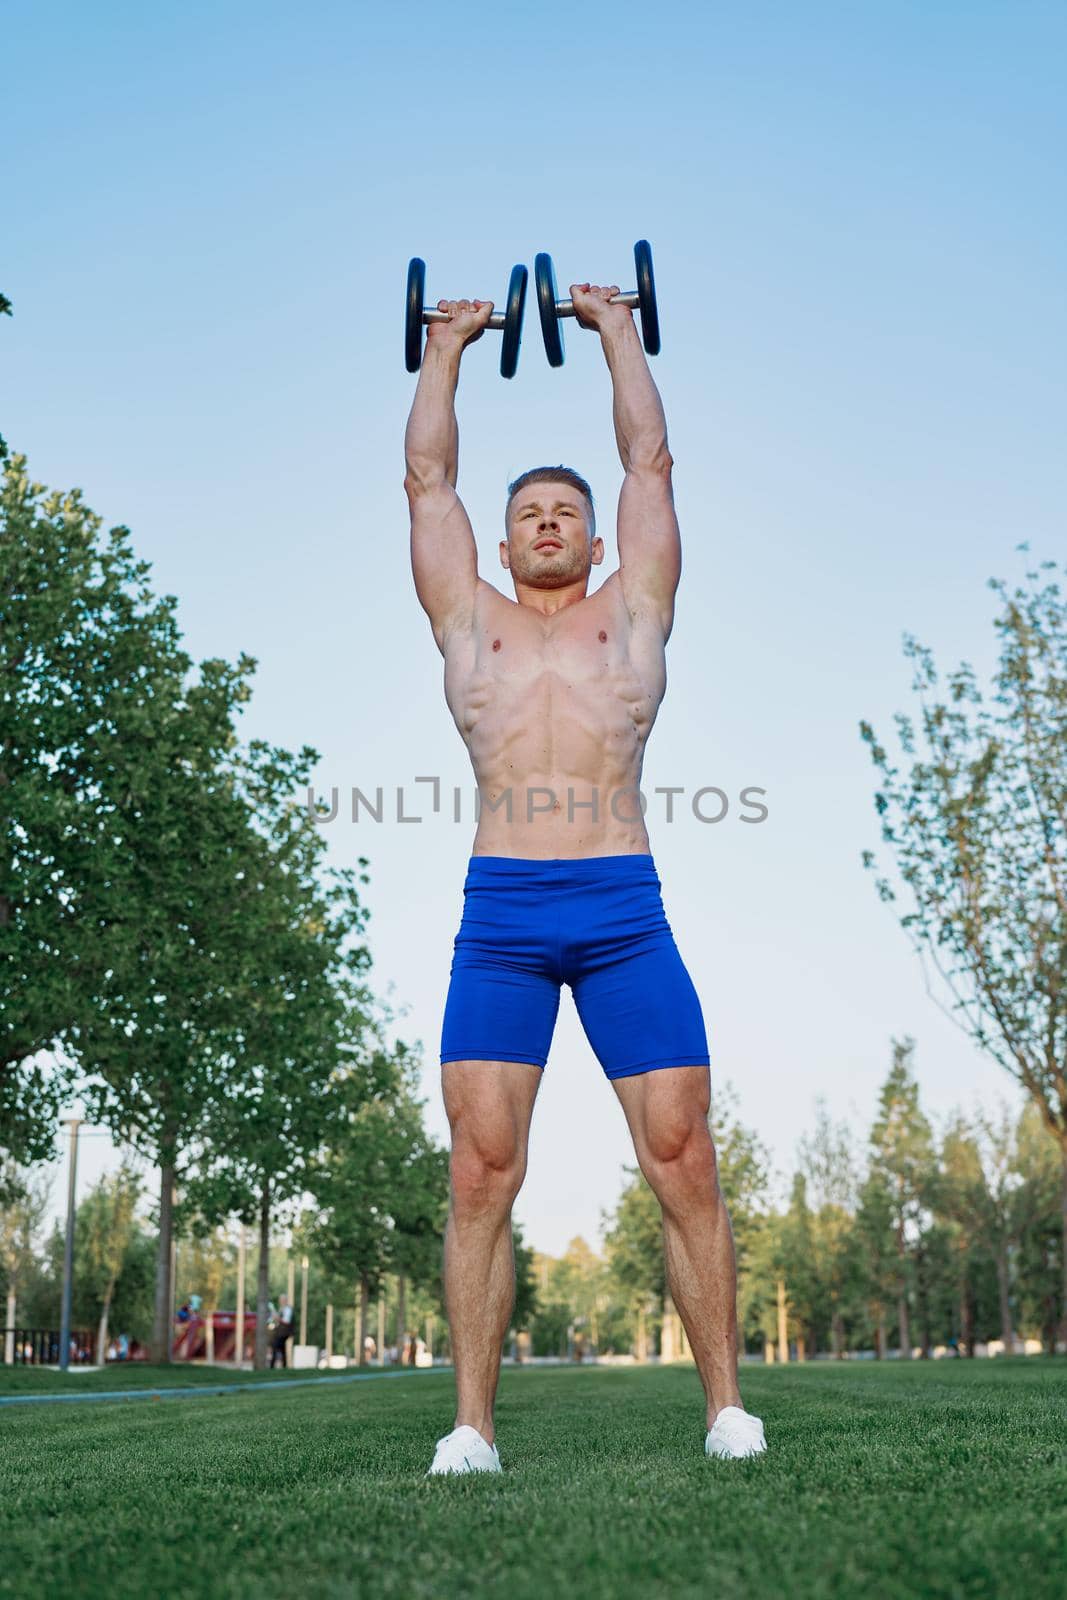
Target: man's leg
x: 667, y: 1111
x: 489, y: 1106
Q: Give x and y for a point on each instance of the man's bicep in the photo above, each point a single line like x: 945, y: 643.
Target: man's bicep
x: 444, y: 558
x: 650, y: 545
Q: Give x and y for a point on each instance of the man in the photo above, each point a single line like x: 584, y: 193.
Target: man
x: 282, y: 1332
x: 555, y: 693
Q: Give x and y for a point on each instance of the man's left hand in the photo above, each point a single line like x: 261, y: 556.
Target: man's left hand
x: 593, y: 308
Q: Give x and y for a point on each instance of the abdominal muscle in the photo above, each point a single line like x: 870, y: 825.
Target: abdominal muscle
x: 556, y: 731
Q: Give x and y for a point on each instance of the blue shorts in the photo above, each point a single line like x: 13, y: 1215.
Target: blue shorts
x: 597, y: 924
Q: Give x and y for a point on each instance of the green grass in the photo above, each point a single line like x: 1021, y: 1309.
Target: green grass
x: 133, y: 1375
x: 945, y: 1479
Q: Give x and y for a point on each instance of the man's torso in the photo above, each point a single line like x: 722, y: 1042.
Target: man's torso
x: 555, y: 712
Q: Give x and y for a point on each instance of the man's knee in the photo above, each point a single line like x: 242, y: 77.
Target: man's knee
x: 678, y: 1159
x: 486, y: 1172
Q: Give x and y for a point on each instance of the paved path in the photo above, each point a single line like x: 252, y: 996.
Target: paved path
x: 185, y: 1391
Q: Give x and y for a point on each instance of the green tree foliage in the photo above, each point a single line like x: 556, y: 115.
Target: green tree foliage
x: 86, y: 653
x: 106, y: 1227
x: 977, y: 824
x: 23, y: 1198
x: 296, y: 1055
x: 828, y: 1162
x: 381, y: 1185
x: 633, y: 1243
x: 526, y: 1297
x: 902, y: 1159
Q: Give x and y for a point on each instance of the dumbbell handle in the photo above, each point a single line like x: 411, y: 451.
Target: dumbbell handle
x: 431, y: 314
x: 565, y: 308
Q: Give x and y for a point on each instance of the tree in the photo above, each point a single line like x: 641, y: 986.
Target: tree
x: 961, y: 1196
x: 23, y: 1198
x: 106, y: 1224
x: 298, y: 1025
x: 373, y: 1172
x: 86, y: 651
x: 902, y: 1160
x: 799, y: 1262
x: 877, y: 1254
x: 829, y: 1164
x: 1038, y: 1257
x: 978, y: 829
x: 633, y: 1242
x: 526, y: 1297
x: 743, y: 1163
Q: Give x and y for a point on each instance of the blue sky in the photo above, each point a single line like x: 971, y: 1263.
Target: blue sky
x: 857, y: 215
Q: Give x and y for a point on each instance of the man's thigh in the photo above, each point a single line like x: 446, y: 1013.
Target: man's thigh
x: 663, y: 1108
x: 490, y: 1104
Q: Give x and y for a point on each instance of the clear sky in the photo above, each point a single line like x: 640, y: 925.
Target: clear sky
x: 857, y: 214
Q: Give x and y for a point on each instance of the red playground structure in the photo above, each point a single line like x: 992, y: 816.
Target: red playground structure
x: 192, y: 1341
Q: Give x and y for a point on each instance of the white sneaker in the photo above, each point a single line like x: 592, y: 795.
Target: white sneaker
x: 735, y: 1434
x: 464, y: 1450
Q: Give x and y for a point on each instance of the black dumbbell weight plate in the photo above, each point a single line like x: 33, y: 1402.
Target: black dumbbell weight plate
x: 646, y: 290
x: 509, y: 349
x: 545, y: 283
x: 413, y: 314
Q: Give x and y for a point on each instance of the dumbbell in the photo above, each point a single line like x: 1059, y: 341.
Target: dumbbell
x: 552, y: 308
x: 509, y: 322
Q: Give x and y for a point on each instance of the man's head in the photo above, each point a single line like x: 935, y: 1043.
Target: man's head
x: 551, y: 529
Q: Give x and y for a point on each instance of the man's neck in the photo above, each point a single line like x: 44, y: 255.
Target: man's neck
x: 549, y: 601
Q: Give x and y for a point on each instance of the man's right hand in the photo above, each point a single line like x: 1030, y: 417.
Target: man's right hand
x: 467, y: 321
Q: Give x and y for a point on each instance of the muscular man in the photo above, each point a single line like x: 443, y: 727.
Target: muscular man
x: 555, y: 693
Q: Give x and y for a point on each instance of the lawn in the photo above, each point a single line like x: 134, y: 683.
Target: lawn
x: 945, y: 1479
x: 134, y: 1375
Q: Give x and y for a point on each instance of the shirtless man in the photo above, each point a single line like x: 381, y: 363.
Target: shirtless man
x: 555, y: 693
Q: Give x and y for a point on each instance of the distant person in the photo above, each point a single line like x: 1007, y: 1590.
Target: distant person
x: 283, y: 1331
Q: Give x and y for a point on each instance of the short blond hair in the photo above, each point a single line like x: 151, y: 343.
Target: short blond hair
x: 552, y: 475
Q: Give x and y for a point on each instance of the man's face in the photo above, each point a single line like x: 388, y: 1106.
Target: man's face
x: 548, y: 544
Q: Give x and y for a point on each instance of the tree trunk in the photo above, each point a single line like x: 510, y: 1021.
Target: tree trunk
x: 783, y: 1323
x: 905, y: 1331
x: 881, y: 1338
x: 163, y: 1322
x: 966, y: 1326
x: 262, y: 1280
x: 364, y: 1307
x: 902, y: 1299
x: 101, y: 1332
x: 9, y: 1327
x: 1004, y: 1299
x: 239, y: 1319
x: 924, y: 1304
x: 401, y: 1312
x: 1063, y: 1279
x: 329, y: 1334
x: 835, y: 1333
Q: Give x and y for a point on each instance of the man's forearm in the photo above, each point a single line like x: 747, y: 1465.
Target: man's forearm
x: 431, y: 443
x: 637, y: 410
